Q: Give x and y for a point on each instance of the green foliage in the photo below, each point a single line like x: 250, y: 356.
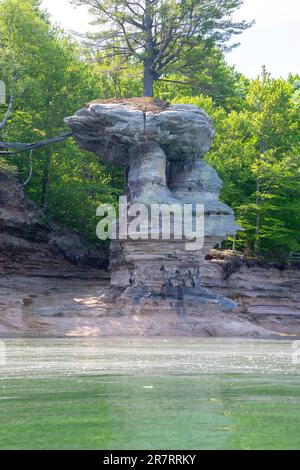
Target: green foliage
x: 257, y: 154
x: 256, y: 150
x: 165, y: 37
x: 52, y: 82
x: 208, y: 74
x: 79, y: 184
x: 6, y: 168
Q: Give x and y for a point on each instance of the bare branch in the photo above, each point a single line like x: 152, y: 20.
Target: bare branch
x: 30, y: 171
x: 22, y: 147
x: 192, y: 83
x: 4, y: 122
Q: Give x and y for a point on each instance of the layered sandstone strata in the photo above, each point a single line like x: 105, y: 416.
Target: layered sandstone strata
x: 161, y: 150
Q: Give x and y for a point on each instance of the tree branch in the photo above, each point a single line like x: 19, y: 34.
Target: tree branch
x: 173, y: 81
x: 192, y: 83
x: 30, y: 171
x: 22, y: 147
x: 4, y: 122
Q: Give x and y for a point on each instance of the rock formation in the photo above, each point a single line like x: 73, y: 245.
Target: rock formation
x: 44, y: 295
x: 29, y: 244
x: 67, y: 302
x: 161, y: 149
x: 157, y: 287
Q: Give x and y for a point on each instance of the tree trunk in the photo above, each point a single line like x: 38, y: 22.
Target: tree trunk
x: 258, y: 198
x: 148, y: 59
x: 148, y: 82
x: 257, y: 223
x: 45, y: 182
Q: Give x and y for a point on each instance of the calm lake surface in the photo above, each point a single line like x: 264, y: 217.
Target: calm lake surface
x: 149, y: 394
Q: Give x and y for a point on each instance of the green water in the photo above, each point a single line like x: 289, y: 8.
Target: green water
x: 149, y: 394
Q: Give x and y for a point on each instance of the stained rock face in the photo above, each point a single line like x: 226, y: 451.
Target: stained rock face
x: 28, y: 244
x: 162, y: 153
x: 73, y: 303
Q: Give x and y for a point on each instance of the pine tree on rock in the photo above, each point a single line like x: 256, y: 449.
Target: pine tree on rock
x: 156, y: 33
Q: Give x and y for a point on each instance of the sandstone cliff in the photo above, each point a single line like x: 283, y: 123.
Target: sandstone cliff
x: 44, y: 294
x: 30, y: 245
x: 268, y: 296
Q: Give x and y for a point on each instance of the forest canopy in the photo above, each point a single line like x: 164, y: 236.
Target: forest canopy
x: 256, y: 150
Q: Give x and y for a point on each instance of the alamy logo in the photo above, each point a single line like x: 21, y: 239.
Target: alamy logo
x: 154, y: 222
x: 2, y: 92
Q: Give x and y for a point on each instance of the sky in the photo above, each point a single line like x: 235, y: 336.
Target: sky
x: 273, y: 41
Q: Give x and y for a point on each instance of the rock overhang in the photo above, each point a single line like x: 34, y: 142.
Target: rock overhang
x: 182, y: 131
